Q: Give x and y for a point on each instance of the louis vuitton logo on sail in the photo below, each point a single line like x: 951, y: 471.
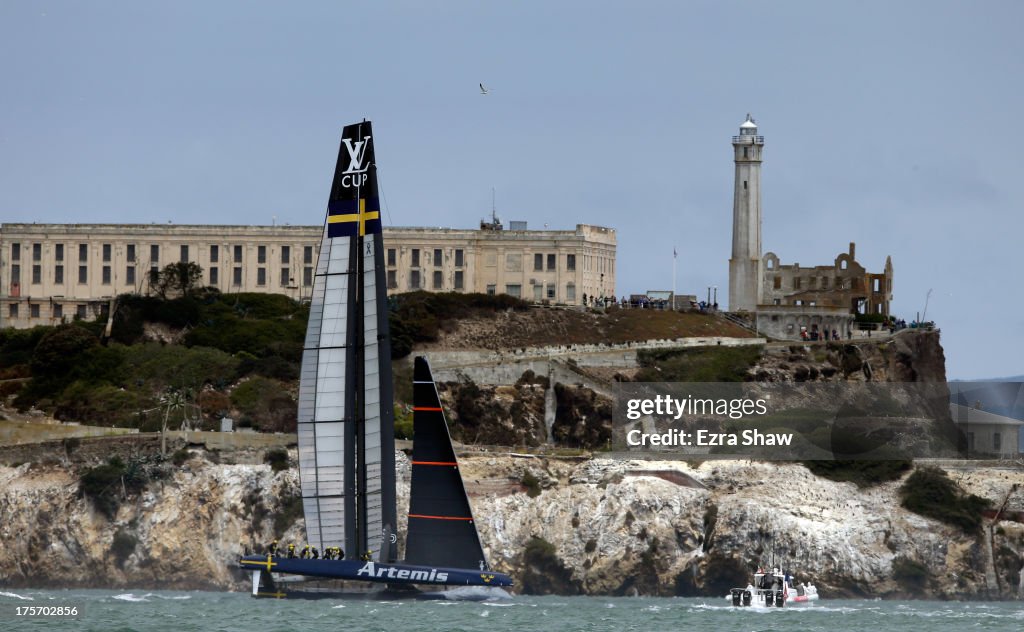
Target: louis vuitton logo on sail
x: 355, y: 174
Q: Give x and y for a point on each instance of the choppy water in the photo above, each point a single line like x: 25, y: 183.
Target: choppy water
x: 122, y: 611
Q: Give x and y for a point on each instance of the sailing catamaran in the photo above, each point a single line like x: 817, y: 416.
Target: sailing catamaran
x: 346, y: 425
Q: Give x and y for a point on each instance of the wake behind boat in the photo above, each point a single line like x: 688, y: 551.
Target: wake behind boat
x: 346, y: 425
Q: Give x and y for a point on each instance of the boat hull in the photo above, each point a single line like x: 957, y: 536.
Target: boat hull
x: 379, y: 572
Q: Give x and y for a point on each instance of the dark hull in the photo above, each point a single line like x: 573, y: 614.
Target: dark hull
x: 392, y: 574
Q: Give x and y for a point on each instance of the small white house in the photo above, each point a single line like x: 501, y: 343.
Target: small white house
x: 988, y: 434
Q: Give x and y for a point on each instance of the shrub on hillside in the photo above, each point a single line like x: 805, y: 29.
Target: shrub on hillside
x: 59, y: 350
x: 929, y: 492
x: 277, y: 458
x: 861, y: 473
x: 106, y: 485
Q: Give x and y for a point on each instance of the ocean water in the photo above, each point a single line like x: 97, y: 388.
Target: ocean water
x: 122, y: 611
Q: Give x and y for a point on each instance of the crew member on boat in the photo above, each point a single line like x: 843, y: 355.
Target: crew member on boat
x: 305, y: 552
x: 316, y: 553
x: 291, y: 550
x: 273, y: 548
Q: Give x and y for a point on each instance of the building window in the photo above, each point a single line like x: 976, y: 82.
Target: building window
x: 37, y: 274
x: 15, y: 274
x: 744, y: 185
x: 391, y: 257
x: 33, y: 310
x: 130, y: 253
x: 15, y: 252
x: 438, y: 261
x: 261, y: 254
x: 307, y: 276
x: 570, y: 262
x: 552, y: 262
x: 83, y: 274
x: 154, y: 275
x: 458, y: 280
x: 83, y: 253
x: 81, y: 312
x: 286, y: 254
x: 414, y: 279
x: 58, y: 310
x: 551, y: 291
x: 129, y: 275
x: 458, y: 258
x: 58, y: 274
x: 286, y: 277
x: 490, y: 289
x: 37, y: 252
x: 106, y: 253
x: 261, y: 276
x: 214, y: 276
x: 238, y: 254
x: 106, y: 275
x: 415, y: 257
x: 307, y: 255
x: 58, y: 252
x: 236, y: 277
x: 570, y: 292
x: 538, y: 262
x: 997, y: 442
x: 183, y: 257
x: 796, y: 283
x: 154, y: 253
x: 970, y: 441
x: 214, y: 253
x: 538, y: 292
x: 438, y: 279
x: 12, y: 310
x: 824, y: 283
x: 392, y: 279
x: 777, y: 283
x: 514, y: 290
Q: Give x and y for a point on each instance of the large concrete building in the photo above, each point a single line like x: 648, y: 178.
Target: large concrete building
x: 783, y: 300
x: 51, y: 273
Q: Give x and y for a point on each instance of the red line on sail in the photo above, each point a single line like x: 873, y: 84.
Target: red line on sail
x: 427, y: 408
x: 439, y: 517
x: 435, y: 463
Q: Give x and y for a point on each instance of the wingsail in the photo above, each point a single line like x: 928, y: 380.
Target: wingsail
x: 345, y: 418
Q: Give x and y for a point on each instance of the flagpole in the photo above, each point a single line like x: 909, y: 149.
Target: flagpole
x: 673, y: 278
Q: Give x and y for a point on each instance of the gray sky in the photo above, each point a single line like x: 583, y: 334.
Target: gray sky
x: 886, y: 123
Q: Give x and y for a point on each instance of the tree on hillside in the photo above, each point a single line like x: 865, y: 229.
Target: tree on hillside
x: 178, y: 279
x: 59, y: 350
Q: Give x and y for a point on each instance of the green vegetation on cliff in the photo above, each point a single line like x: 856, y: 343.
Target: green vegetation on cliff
x: 930, y: 493
x: 697, y: 364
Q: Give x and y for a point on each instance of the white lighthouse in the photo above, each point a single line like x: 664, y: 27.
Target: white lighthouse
x: 745, y: 287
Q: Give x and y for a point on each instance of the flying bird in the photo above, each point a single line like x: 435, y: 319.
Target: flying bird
x: 484, y: 90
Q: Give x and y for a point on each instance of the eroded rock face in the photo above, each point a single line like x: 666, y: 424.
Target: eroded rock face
x: 598, y: 526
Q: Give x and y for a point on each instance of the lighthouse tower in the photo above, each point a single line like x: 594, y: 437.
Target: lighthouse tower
x: 745, y: 287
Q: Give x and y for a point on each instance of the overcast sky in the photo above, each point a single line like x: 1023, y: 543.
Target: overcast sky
x: 891, y: 124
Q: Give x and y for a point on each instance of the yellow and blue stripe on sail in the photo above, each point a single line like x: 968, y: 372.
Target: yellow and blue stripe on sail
x: 348, y: 218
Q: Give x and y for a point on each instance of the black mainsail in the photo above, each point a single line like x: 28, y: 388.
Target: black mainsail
x: 441, y: 526
x: 346, y: 413
x: 346, y: 418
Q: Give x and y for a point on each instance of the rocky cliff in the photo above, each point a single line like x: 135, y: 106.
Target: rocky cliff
x: 571, y: 526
